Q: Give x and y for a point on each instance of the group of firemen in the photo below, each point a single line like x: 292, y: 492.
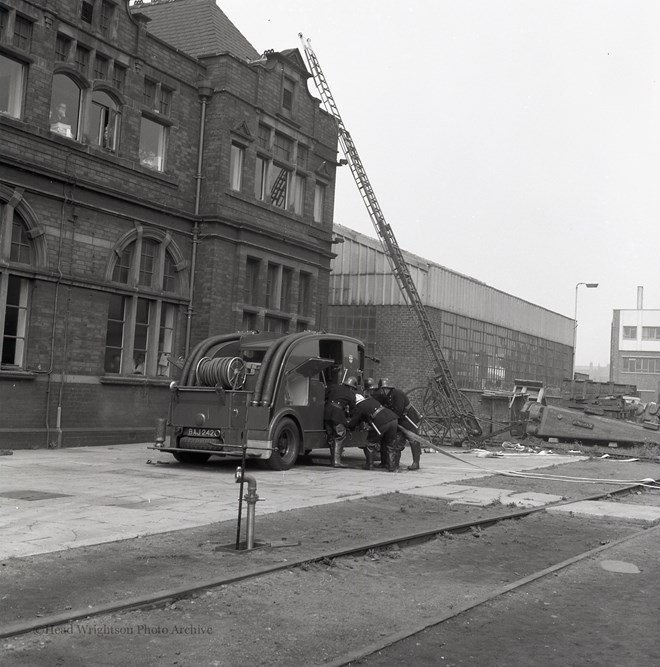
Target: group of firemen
x: 385, y: 411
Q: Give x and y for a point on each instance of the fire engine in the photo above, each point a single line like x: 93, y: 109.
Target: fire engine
x: 257, y: 395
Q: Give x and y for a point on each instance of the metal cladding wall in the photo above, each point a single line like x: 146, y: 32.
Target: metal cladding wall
x: 361, y: 275
x: 489, y: 338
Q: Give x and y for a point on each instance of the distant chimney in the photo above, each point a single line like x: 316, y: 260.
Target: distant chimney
x: 640, y: 298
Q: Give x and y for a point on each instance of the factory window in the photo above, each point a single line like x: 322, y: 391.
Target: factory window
x: 105, y: 20
x: 251, y: 293
x: 275, y: 180
x: 16, y: 252
x: 273, y: 286
x: 119, y: 77
x: 276, y: 324
x: 319, y: 202
x: 100, y: 67
x: 650, y: 333
x: 65, y: 106
x: 149, y: 93
x: 285, y: 293
x: 249, y: 322
x: 62, y: 47
x: 140, y: 327
x: 12, y: 82
x: 304, y: 293
x: 237, y: 157
x: 298, y: 194
x: 271, y: 182
x: 630, y: 333
x: 153, y: 137
x: 82, y: 59
x: 87, y: 12
x: 103, y: 121
x: 288, y: 92
x: 643, y: 365
x: 22, y: 33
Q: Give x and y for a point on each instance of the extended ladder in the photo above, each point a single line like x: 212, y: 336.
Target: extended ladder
x: 452, y: 404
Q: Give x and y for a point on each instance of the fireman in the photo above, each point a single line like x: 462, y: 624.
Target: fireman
x: 339, y: 401
x: 383, y: 422
x: 369, y: 387
x: 397, y: 401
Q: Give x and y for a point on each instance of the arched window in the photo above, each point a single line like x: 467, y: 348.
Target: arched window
x: 18, y: 257
x: 141, y: 325
x: 65, y: 107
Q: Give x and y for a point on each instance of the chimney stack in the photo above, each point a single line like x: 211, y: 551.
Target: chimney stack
x: 640, y: 298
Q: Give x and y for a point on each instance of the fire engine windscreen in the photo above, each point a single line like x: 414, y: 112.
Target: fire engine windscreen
x: 225, y: 372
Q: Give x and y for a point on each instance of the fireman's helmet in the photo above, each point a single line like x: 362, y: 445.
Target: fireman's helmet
x: 384, y: 382
x: 369, y: 383
x: 358, y: 398
x: 351, y: 381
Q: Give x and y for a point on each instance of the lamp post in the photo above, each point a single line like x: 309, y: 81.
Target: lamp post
x: 575, y: 324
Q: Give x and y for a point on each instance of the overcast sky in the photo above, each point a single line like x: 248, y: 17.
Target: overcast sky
x: 515, y: 141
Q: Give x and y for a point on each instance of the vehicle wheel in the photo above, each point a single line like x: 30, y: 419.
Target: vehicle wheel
x: 286, y: 445
x: 191, y: 457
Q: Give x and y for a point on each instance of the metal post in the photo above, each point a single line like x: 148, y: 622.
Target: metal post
x: 575, y: 324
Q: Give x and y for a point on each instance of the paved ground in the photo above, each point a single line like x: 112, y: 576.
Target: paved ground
x: 59, y: 499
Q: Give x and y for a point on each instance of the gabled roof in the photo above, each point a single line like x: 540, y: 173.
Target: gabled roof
x: 196, y: 27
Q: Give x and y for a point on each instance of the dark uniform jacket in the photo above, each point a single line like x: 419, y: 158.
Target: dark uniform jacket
x: 397, y: 401
x: 371, y: 412
x: 394, y: 399
x: 339, y: 400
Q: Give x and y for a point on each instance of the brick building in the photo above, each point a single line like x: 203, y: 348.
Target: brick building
x: 635, y: 348
x: 159, y: 183
x: 488, y: 337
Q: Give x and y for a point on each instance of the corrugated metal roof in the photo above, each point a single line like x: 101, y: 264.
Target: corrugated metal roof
x: 197, y: 27
x: 361, y: 275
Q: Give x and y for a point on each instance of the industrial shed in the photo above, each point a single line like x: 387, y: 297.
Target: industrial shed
x: 489, y: 337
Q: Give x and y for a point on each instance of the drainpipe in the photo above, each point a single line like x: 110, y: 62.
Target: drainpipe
x: 205, y: 91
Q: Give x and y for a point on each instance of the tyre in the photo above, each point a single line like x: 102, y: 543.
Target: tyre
x: 191, y: 457
x: 286, y: 445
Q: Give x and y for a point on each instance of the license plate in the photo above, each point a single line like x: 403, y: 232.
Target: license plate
x: 202, y: 432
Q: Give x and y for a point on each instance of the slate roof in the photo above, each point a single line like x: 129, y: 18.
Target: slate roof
x: 197, y: 27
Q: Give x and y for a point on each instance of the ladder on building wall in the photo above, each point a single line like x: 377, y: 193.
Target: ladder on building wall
x: 453, y: 413
x: 278, y: 191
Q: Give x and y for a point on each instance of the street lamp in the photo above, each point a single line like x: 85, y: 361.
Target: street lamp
x: 575, y: 324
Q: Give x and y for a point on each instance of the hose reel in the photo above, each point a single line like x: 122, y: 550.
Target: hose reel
x: 225, y: 372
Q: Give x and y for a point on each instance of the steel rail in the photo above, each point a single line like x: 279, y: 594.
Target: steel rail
x: 157, y: 598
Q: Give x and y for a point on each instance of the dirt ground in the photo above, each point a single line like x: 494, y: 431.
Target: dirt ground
x: 309, y: 613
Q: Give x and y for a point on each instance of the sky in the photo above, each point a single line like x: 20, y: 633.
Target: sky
x: 515, y: 141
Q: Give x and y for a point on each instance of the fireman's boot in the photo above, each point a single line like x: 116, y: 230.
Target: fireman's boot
x: 369, y: 459
x: 416, y: 450
x: 392, y: 465
x: 397, y: 458
x: 383, y: 457
x: 337, y: 451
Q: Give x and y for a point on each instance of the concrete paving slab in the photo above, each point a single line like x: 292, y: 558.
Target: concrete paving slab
x: 112, y: 493
x: 482, y: 496
x: 639, y: 514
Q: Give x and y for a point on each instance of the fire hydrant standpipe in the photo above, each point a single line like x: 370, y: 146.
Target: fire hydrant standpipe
x: 240, y: 498
x: 251, y: 498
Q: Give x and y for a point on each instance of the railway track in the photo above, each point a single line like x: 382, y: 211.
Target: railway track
x: 163, y: 597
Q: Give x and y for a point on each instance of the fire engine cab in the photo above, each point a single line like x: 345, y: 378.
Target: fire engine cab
x: 260, y: 395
